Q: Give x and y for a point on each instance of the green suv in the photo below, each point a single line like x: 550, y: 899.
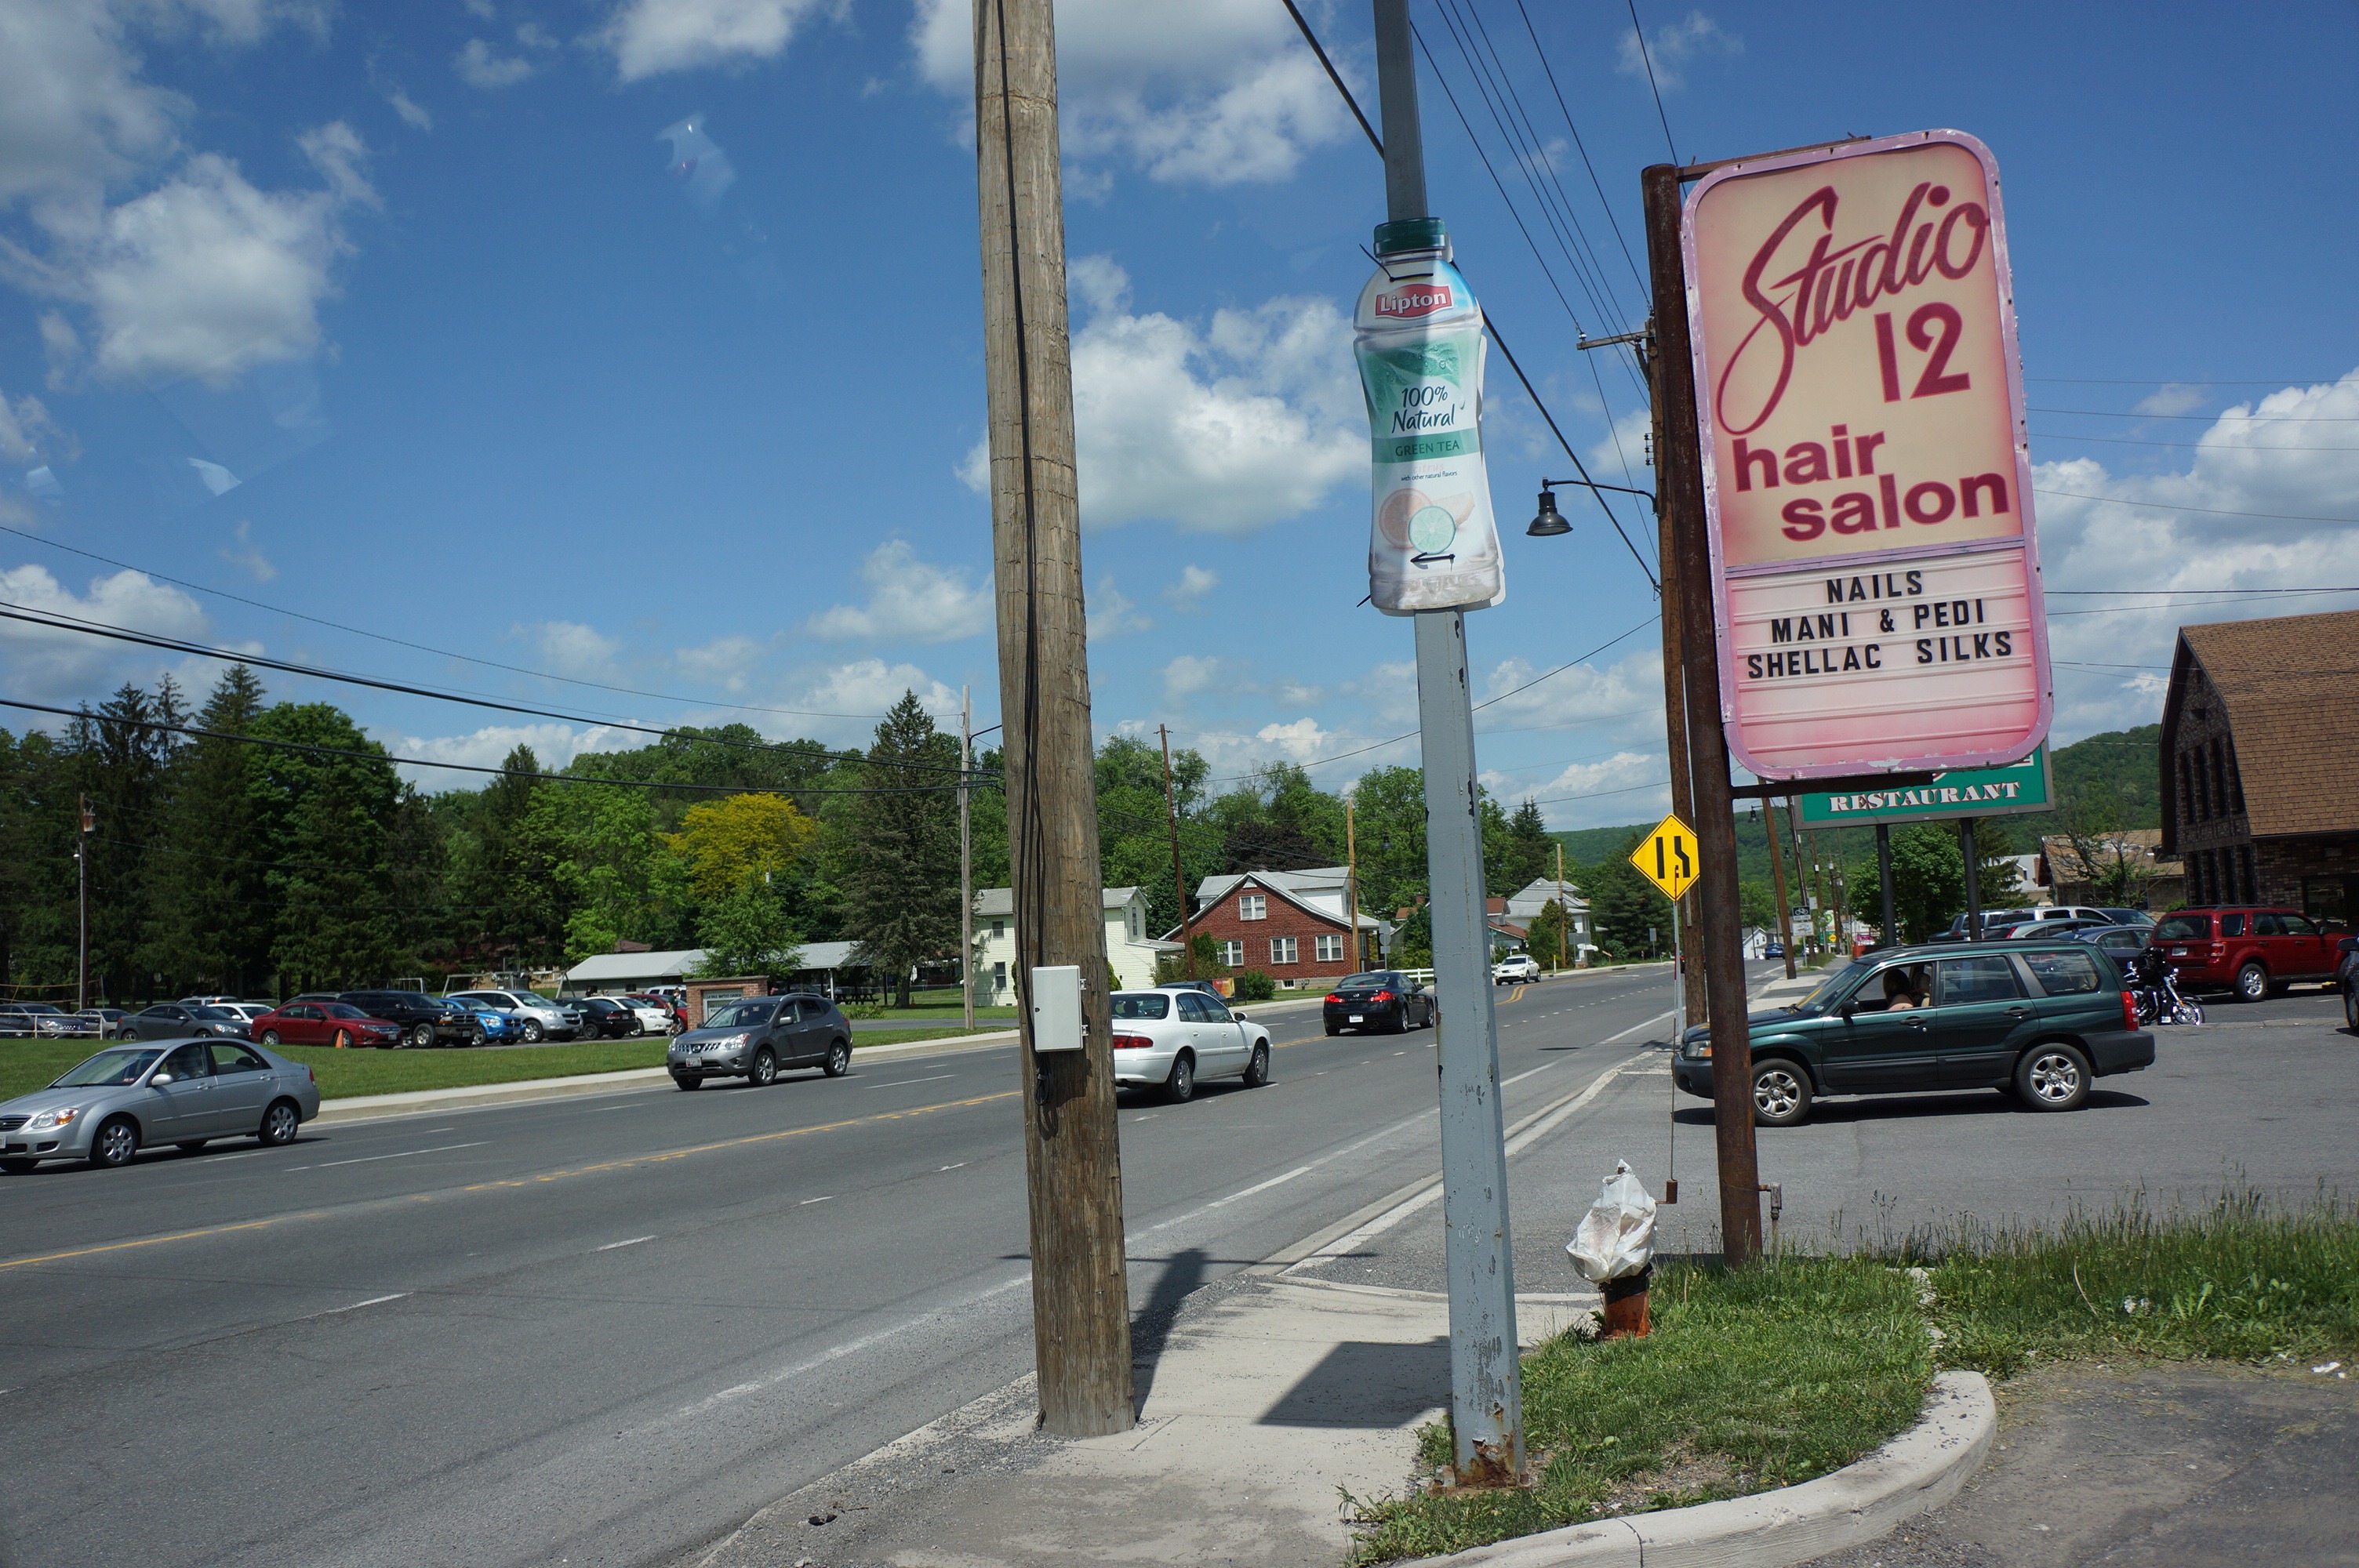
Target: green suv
x: 2041, y: 1019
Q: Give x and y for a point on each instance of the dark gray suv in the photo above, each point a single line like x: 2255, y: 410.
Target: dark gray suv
x: 754, y: 1038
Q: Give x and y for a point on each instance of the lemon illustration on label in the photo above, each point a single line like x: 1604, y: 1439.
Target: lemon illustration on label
x: 1432, y: 529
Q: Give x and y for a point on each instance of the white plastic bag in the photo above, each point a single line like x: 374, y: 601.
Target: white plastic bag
x: 1617, y: 1238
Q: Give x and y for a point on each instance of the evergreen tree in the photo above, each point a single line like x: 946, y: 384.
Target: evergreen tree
x: 1624, y: 906
x: 327, y: 820
x: 1528, y: 852
x: 123, y: 764
x: 211, y: 907
x: 899, y: 861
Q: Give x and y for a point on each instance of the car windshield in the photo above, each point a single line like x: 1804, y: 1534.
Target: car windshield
x: 1363, y: 982
x: 2183, y: 928
x: 215, y: 1015
x: 1823, y: 994
x: 532, y: 999
x: 109, y: 1067
x: 738, y: 1014
x: 340, y: 1010
x: 1142, y: 1005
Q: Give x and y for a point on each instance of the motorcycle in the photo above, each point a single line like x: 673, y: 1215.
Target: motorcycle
x: 2154, y: 989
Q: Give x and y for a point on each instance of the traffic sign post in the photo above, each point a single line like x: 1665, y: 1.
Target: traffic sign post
x: 1667, y: 858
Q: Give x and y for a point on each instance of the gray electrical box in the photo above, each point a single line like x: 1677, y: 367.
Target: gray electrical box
x: 1057, y: 1008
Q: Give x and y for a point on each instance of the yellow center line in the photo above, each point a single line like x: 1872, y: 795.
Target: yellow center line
x: 520, y: 1182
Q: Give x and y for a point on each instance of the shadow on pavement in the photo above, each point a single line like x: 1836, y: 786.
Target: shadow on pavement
x: 1357, y: 1384
x: 1919, y: 1108
x: 1150, y: 1327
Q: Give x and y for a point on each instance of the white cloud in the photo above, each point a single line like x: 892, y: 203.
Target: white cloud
x: 727, y: 662
x: 862, y: 691
x: 908, y: 599
x: 553, y: 746
x: 1217, y: 92
x: 42, y: 665
x: 248, y: 557
x: 2173, y: 397
x: 1624, y: 788
x: 413, y: 113
x: 205, y: 275
x: 2293, y: 455
x: 1631, y: 688
x: 73, y: 113
x: 1109, y: 613
x: 1189, y: 674
x: 23, y: 426
x: 1673, y: 46
x: 1224, y: 429
x: 479, y: 65
x: 649, y: 38
x: 1187, y: 592
x: 570, y: 648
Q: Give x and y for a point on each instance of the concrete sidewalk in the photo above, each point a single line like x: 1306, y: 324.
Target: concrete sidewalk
x: 1261, y: 1403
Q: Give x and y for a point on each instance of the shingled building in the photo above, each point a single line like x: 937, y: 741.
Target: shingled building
x: 2260, y: 763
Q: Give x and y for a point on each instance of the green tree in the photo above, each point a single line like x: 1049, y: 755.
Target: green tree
x: 325, y: 820
x: 123, y: 763
x: 1389, y: 804
x: 746, y: 931
x: 1134, y: 832
x: 1550, y: 940
x: 1526, y: 853
x: 1929, y: 879
x: 212, y: 910
x: 899, y: 859
x: 1624, y: 906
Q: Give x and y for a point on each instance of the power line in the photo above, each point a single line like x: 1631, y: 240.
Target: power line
x: 84, y: 714
x: 2193, y: 446
x: 1334, y: 76
x: 2207, y: 511
x: 2247, y: 418
x: 2167, y: 381
x: 1542, y: 55
x: 58, y: 621
x: 1646, y: 55
x: 422, y: 647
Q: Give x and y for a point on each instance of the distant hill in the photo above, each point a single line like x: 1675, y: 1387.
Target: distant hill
x: 2129, y: 762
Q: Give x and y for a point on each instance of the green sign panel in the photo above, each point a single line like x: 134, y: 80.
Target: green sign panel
x: 1969, y: 792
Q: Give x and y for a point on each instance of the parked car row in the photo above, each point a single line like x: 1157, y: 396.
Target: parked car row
x: 377, y: 1018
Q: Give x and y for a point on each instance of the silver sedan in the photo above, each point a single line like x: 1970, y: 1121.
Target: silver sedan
x: 1169, y: 1039
x: 134, y: 1096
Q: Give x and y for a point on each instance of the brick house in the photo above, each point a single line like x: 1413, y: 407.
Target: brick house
x: 2260, y: 763
x: 1288, y: 925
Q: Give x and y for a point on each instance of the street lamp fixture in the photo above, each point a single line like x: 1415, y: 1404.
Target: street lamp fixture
x: 1550, y: 523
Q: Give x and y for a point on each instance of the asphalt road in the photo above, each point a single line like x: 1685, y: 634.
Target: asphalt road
x: 601, y: 1330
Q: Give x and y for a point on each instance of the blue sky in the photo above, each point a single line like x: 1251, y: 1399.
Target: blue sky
x: 398, y: 317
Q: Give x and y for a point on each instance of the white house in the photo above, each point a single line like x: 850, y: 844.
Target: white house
x: 1129, y: 949
x: 1525, y: 906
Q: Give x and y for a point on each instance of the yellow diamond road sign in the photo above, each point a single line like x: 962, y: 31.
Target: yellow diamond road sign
x: 1666, y: 857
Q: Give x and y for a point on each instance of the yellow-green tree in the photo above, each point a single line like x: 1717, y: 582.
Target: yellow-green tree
x: 741, y: 839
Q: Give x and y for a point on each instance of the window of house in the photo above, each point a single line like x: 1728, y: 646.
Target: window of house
x: 1130, y: 919
x: 999, y: 929
x: 1252, y: 906
x: 1281, y: 950
x: 1232, y: 954
x: 998, y: 977
x: 1330, y: 949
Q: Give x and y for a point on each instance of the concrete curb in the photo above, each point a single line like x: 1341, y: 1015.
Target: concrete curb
x: 1918, y: 1470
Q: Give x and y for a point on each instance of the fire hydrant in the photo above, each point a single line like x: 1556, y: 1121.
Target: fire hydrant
x: 1615, y: 1249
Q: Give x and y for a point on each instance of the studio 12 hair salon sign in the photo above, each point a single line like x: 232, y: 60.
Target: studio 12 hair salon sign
x: 1866, y: 482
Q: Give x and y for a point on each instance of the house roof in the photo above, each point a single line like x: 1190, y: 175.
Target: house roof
x: 1529, y: 900
x: 669, y: 966
x: 827, y: 956
x: 1002, y: 900
x: 1303, y: 889
x: 2065, y: 864
x: 2285, y: 682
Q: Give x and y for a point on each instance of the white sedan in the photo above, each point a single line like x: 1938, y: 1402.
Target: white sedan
x: 1169, y: 1039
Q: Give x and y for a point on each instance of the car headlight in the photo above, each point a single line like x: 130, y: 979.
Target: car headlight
x: 728, y: 1039
x: 49, y: 1118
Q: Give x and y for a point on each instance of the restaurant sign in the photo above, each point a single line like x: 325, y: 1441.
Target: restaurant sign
x: 1868, y: 486
x: 1969, y: 792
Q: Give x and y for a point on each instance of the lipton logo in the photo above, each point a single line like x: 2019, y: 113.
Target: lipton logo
x: 1418, y: 299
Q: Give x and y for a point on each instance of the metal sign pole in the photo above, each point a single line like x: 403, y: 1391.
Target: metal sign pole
x: 1486, y: 1391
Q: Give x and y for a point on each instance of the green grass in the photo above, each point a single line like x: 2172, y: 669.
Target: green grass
x: 1748, y: 1380
x: 1773, y: 1376
x: 29, y: 1064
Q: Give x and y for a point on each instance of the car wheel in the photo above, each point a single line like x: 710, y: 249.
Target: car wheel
x: 1257, y: 1067
x: 2052, y: 1077
x: 533, y: 1033
x: 191, y: 1146
x: 2351, y: 1009
x: 279, y: 1124
x: 18, y: 1167
x: 1180, y: 1087
x: 479, y: 1037
x: 2252, y: 983
x: 116, y: 1141
x: 270, y: 1037
x: 764, y: 1069
x: 687, y: 1080
x: 1332, y: 1031
x: 422, y: 1036
x: 343, y: 1040
x: 1782, y: 1093
x: 839, y: 1059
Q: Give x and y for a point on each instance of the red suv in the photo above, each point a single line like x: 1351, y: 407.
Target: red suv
x: 2255, y: 952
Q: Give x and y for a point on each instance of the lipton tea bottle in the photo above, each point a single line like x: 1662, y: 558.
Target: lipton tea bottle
x: 1433, y: 544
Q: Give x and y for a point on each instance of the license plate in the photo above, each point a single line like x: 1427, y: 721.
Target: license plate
x: 2178, y: 952
x: 1355, y: 1018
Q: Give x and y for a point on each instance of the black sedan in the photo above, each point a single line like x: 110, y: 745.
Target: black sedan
x: 181, y: 1020
x: 604, y: 1018
x: 1383, y: 1000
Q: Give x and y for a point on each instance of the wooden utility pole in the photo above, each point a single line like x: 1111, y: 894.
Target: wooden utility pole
x: 1178, y: 876
x: 1563, y: 909
x: 1081, y: 1298
x: 1674, y: 694
x: 1719, y: 930
x: 966, y: 853
x: 82, y: 886
x: 1777, y: 872
x: 1818, y: 887
x: 1352, y: 884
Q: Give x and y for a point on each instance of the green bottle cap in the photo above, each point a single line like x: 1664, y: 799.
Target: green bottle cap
x: 1410, y: 234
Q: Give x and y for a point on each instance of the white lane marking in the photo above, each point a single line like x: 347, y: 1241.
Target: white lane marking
x: 1519, y: 1078
x: 406, y: 1153
x: 897, y: 1083
x: 1261, y: 1188
x: 959, y: 1166
x: 808, y: 1202
x: 432, y: 1131
x: 373, y: 1301
x: 633, y: 1241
